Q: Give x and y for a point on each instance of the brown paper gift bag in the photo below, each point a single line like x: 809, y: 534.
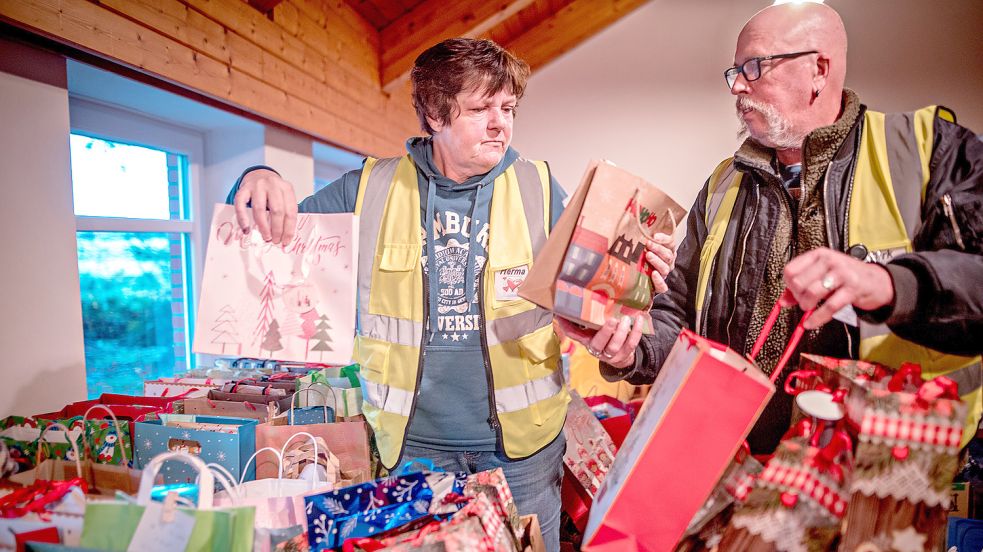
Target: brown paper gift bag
x: 101, y: 479
x: 349, y: 441
x: 238, y: 405
x: 593, y: 265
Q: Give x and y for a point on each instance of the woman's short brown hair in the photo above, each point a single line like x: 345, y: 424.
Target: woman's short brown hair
x: 460, y: 65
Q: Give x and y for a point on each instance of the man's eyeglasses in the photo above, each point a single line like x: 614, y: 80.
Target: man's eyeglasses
x: 752, y: 67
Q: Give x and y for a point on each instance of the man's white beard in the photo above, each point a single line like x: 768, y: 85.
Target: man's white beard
x: 779, y: 135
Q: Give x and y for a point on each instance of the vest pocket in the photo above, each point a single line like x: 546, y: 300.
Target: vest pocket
x: 372, y: 356
x: 397, y: 270
x: 541, y: 355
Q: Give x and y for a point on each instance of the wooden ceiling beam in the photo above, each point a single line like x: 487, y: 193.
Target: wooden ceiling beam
x: 433, y: 21
x: 570, y: 26
x: 264, y: 6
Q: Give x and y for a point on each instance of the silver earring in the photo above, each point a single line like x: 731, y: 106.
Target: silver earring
x: 817, y: 93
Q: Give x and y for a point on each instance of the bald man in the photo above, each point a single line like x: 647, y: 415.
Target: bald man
x: 872, y: 220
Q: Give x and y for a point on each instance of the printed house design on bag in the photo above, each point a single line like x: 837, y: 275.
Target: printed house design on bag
x: 592, y: 269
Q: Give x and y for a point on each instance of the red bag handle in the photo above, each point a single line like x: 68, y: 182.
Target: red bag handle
x: 792, y: 343
x: 825, y: 459
x: 181, y: 396
x: 800, y: 375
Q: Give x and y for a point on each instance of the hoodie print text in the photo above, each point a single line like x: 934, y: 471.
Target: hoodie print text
x: 458, y: 318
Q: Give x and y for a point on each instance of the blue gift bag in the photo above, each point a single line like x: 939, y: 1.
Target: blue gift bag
x: 306, y: 415
x: 228, y: 442
x: 367, y: 509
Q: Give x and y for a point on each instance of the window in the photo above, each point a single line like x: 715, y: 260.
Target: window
x: 330, y: 163
x: 133, y: 192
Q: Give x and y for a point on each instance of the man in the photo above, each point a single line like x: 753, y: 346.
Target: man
x: 829, y: 206
x: 456, y: 367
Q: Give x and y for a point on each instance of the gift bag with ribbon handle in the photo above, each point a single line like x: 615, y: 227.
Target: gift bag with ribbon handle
x: 340, y: 382
x: 799, y: 499
x: 676, y: 447
x: 907, y: 456
x: 593, y: 266
x: 262, y: 408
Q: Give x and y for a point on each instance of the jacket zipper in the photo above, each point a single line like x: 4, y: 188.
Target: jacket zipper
x: 949, y: 212
x: 829, y: 224
x: 493, y: 420
x: 702, y: 330
x: 740, y: 266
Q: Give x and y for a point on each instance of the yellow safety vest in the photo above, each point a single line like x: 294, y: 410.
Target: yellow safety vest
x: 521, y: 351
x: 884, y: 214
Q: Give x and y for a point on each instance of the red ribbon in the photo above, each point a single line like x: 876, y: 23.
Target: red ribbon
x: 908, y: 373
x: 826, y: 459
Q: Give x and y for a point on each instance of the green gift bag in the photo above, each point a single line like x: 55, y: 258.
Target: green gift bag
x: 112, y: 525
x: 342, y: 383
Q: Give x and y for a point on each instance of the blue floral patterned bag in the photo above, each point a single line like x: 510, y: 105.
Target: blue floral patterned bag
x: 368, y: 509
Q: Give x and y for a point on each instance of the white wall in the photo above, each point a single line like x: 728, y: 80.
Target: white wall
x: 43, y: 366
x: 291, y: 154
x: 648, y: 92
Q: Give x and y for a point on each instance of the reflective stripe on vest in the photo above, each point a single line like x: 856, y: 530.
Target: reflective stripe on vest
x: 523, y: 352
x: 721, y: 196
x: 889, y: 184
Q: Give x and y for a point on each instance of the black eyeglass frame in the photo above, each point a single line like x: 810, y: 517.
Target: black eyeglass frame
x: 741, y: 69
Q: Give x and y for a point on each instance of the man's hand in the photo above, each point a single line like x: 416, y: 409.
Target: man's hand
x: 837, y: 280
x: 660, y: 254
x: 274, y: 205
x: 614, y: 343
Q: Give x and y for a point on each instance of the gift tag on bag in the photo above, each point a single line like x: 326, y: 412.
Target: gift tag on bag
x: 163, y: 528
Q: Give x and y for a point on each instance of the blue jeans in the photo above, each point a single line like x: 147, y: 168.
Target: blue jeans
x: 534, y: 482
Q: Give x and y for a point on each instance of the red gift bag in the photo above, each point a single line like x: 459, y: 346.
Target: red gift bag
x: 700, y: 409
x: 615, y: 416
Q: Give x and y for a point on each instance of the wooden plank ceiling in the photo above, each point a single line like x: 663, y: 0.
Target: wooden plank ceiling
x: 334, y: 69
x: 537, y: 31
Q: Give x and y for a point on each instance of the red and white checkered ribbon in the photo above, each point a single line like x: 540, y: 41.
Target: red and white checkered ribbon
x: 807, y: 484
x: 740, y: 487
x: 492, y: 523
x: 898, y: 430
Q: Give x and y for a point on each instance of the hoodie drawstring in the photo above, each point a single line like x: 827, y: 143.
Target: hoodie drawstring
x: 431, y: 261
x: 481, y: 196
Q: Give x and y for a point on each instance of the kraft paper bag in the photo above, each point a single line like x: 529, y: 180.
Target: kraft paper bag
x: 293, y: 302
x: 593, y: 265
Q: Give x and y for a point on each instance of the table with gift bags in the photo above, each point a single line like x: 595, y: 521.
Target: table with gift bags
x: 275, y: 456
x: 867, y: 463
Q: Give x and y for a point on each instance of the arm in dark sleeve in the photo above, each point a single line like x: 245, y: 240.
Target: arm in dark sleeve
x: 939, y: 287
x: 672, y: 310
x: 337, y: 197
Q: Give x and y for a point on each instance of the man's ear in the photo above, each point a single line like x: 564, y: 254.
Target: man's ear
x: 822, y: 73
